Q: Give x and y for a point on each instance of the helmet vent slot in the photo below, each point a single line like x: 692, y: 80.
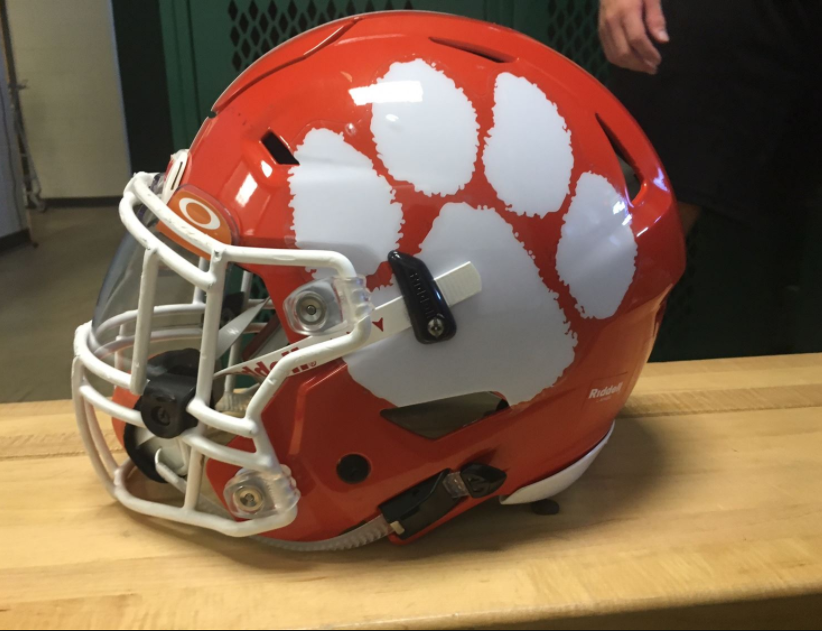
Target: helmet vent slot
x: 632, y: 178
x: 473, y: 49
x: 435, y: 419
x: 278, y: 149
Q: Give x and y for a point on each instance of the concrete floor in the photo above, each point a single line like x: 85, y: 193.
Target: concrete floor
x: 45, y: 293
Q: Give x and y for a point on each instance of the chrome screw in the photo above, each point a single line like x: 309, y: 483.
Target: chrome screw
x: 310, y: 309
x: 249, y: 498
x: 436, y: 326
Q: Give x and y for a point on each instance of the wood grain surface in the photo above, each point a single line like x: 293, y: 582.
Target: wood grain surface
x: 704, y: 510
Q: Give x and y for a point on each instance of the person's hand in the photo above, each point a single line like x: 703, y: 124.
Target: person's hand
x: 625, y: 30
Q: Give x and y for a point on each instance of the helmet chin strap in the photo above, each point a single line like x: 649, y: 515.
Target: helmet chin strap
x: 235, y: 403
x: 232, y: 331
x: 369, y: 532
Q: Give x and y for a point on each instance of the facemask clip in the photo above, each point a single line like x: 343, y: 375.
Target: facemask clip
x: 328, y: 305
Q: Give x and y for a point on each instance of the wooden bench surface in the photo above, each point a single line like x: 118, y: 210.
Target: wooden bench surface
x: 706, y: 506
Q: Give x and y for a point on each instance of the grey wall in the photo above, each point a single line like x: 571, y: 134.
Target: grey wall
x: 12, y: 217
x: 64, y: 50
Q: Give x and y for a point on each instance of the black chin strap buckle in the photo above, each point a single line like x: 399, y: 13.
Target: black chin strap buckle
x: 430, y: 316
x: 429, y: 501
x: 171, y: 386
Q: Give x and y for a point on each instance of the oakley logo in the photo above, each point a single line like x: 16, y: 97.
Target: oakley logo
x: 212, y: 220
x: 605, y: 392
x: 203, y: 212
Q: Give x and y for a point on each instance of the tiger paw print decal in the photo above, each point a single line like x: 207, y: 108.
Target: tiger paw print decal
x: 433, y: 162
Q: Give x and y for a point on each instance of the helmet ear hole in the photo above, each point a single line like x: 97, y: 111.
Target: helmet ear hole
x: 353, y: 469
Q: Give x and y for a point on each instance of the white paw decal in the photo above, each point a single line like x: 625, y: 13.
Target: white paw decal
x: 597, y: 236
x: 341, y: 203
x: 513, y: 337
x: 409, y: 128
x: 528, y: 157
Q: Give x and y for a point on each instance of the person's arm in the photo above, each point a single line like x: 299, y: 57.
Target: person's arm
x: 625, y: 30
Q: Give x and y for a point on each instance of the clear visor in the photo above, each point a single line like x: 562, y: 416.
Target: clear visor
x: 178, y: 317
x: 121, y: 287
x: 115, y: 315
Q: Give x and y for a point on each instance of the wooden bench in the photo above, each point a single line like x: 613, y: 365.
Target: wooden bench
x: 705, y: 509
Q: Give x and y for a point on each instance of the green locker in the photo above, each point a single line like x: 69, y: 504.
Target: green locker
x: 567, y: 26
x: 208, y: 43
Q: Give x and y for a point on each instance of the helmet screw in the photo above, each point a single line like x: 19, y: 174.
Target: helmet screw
x: 436, y: 326
x: 248, y: 498
x: 161, y: 416
x: 310, y: 309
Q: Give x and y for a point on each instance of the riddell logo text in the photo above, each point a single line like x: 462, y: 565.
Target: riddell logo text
x: 261, y: 370
x: 605, y: 392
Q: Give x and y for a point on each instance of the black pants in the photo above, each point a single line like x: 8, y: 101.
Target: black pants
x: 735, y: 111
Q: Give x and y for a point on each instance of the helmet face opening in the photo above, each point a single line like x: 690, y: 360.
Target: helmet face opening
x: 418, y: 282
x: 173, y: 394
